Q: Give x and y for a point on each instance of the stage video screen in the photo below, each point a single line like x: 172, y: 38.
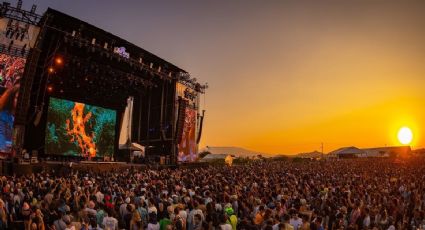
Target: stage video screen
x: 78, y: 129
x: 187, y: 147
x: 11, y: 71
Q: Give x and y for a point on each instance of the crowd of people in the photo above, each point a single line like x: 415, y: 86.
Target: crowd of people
x: 337, y: 194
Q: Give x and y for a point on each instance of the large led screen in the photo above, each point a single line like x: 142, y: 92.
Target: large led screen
x: 78, y: 129
x: 11, y: 70
x: 187, y: 147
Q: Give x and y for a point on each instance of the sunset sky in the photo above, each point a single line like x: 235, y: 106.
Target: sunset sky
x: 285, y: 76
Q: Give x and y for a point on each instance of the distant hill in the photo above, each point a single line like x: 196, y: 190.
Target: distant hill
x: 314, y: 154
x: 236, y: 151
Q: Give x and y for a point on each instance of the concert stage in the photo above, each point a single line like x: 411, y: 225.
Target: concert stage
x: 76, y: 81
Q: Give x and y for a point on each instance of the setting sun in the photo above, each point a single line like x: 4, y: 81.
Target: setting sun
x: 405, y: 135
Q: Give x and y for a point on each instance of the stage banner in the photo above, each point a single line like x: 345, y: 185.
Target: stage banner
x: 11, y: 71
x: 188, y: 149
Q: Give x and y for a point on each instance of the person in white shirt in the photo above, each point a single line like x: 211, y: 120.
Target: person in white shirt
x: 99, y: 196
x: 295, y: 221
x: 366, y: 220
x: 109, y: 222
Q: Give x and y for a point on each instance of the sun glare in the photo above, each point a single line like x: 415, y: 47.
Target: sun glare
x: 405, y: 135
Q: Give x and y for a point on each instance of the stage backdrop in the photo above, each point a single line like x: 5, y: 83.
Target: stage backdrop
x: 78, y: 129
x: 11, y: 70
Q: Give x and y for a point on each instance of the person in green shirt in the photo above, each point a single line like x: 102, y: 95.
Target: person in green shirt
x: 233, y: 219
x: 164, y: 223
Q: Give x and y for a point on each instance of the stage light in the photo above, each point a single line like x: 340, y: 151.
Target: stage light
x: 59, y: 60
x: 51, y: 70
x: 50, y: 88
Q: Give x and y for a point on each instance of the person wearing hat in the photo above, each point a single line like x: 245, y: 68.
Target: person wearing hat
x: 232, y: 219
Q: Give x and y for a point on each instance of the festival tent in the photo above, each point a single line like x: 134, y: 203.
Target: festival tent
x: 347, y: 152
x: 389, y: 151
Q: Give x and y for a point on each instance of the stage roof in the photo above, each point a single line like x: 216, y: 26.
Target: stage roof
x: 69, y: 24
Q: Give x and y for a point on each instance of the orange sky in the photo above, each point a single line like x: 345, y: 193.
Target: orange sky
x: 285, y: 76
x: 338, y: 74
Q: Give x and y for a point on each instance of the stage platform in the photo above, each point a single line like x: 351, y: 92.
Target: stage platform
x: 10, y: 168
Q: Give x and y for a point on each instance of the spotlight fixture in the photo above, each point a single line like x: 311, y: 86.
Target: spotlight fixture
x: 59, y: 60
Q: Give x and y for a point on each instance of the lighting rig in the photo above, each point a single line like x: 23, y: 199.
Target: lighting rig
x: 17, y: 28
x: 137, y: 63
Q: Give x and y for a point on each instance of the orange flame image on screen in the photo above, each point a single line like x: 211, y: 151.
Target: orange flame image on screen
x: 78, y: 130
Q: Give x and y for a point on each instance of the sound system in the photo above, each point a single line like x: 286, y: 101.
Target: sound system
x: 180, y: 119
